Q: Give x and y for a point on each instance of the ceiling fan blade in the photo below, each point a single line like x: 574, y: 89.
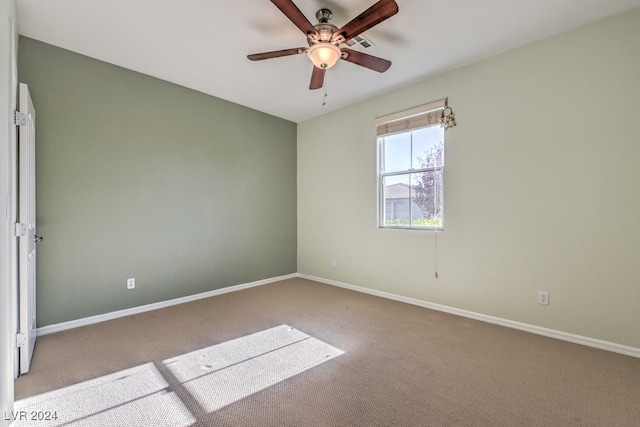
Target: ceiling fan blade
x: 383, y: 9
x: 276, y: 53
x: 317, y: 78
x: 293, y: 13
x: 369, y: 61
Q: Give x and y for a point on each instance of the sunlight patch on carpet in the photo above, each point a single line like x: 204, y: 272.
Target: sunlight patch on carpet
x: 138, y: 396
x: 225, y: 373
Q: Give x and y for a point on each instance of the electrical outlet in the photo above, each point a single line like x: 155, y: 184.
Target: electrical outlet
x: 543, y: 297
x: 333, y: 263
x: 131, y: 283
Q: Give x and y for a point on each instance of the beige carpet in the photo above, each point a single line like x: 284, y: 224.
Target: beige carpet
x: 402, y: 365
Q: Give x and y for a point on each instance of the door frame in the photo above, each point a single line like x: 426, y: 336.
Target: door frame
x: 13, y: 202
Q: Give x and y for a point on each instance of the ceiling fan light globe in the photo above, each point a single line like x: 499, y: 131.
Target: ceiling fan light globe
x: 324, y: 55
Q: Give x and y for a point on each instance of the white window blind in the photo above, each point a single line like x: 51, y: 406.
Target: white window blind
x: 414, y: 118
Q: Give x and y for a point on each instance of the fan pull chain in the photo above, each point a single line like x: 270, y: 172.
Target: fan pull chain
x: 324, y: 90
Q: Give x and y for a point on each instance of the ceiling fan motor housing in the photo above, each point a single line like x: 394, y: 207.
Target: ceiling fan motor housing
x: 323, y: 27
x: 324, y: 15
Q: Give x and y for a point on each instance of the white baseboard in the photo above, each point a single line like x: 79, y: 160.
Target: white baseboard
x: 552, y: 333
x: 564, y: 336
x: 59, y: 327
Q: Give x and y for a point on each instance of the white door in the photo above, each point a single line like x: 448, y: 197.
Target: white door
x: 26, y: 228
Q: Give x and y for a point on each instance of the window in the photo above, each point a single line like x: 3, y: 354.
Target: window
x: 411, y: 168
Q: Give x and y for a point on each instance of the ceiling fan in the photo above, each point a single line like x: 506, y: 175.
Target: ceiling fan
x: 325, y: 38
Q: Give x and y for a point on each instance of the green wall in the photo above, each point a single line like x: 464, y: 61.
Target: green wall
x: 542, y: 180
x: 137, y: 177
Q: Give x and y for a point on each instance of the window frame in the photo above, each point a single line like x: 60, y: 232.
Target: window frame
x: 413, y: 119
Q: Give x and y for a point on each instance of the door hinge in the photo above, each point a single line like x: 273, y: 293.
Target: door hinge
x: 19, y: 118
x: 21, y: 229
x: 21, y: 340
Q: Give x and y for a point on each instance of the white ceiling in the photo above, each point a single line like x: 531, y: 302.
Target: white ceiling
x: 203, y: 44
